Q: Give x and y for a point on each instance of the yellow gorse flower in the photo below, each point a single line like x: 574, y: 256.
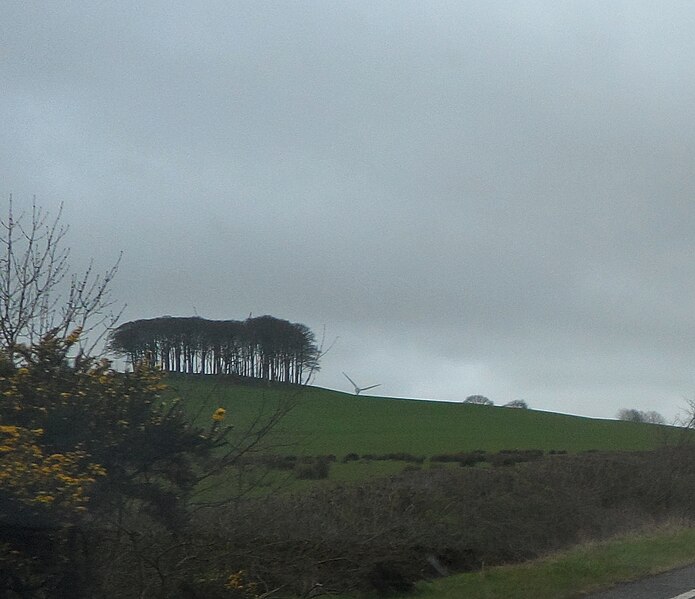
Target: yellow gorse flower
x: 74, y: 336
x: 238, y: 581
x: 218, y: 414
x: 58, y: 481
x: 235, y: 581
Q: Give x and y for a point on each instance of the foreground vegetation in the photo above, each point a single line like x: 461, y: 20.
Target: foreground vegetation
x: 82, y: 449
x: 385, y: 535
x: 565, y: 575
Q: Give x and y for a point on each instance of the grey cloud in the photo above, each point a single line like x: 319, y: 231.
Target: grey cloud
x: 477, y: 197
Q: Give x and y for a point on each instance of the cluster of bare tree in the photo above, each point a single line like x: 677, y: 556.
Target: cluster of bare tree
x: 39, y: 294
x: 264, y: 347
x: 479, y: 400
x: 633, y: 415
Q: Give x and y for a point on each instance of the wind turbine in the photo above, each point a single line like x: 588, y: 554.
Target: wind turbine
x: 359, y: 390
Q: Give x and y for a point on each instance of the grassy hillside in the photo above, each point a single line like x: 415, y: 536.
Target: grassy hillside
x: 324, y: 421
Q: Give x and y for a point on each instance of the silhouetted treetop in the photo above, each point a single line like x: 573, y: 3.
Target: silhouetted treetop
x: 263, y: 347
x: 633, y: 415
x: 517, y: 403
x: 480, y: 400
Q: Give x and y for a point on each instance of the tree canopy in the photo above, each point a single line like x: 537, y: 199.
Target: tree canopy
x: 634, y: 415
x: 480, y: 400
x: 264, y: 347
x: 517, y: 403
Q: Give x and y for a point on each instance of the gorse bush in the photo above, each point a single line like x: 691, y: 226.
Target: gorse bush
x: 37, y: 489
x: 41, y: 497
x: 81, y: 443
x: 145, y: 447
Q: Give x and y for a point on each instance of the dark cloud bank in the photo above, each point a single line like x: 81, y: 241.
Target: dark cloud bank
x: 475, y: 197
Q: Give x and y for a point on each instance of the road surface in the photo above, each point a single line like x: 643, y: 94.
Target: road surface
x: 676, y: 584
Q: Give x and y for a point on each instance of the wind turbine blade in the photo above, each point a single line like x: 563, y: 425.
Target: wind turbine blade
x: 370, y: 387
x: 353, y: 382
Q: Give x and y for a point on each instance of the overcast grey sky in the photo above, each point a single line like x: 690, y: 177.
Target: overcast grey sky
x: 475, y: 197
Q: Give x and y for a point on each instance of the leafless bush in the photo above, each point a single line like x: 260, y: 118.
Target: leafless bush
x: 385, y: 534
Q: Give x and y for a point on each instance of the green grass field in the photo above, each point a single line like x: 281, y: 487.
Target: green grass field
x: 330, y: 422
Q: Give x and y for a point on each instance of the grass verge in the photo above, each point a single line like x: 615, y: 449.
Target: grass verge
x: 571, y: 573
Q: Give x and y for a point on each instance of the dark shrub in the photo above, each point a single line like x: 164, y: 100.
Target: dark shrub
x: 350, y: 457
x: 317, y: 469
x: 390, y: 578
x: 269, y: 460
x: 411, y: 468
x: 400, y: 457
x: 503, y: 459
x: 288, y: 462
x: 509, y: 457
x: 445, y: 457
x: 382, y: 534
x: 463, y: 458
x: 280, y: 462
x: 471, y: 459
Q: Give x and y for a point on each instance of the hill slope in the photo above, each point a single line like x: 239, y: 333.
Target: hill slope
x: 324, y: 421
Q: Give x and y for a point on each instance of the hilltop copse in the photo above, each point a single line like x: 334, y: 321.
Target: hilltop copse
x: 264, y: 347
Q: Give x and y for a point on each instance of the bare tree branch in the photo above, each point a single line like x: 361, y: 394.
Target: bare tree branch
x: 38, y: 293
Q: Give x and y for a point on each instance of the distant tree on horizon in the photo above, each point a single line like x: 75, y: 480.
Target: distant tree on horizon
x: 517, y: 403
x: 480, y: 400
x: 633, y: 415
